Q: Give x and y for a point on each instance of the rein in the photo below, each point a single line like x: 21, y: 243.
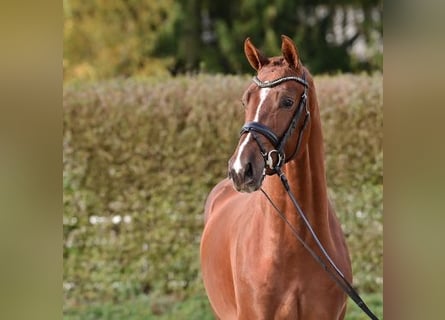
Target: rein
x: 256, y: 127
x: 333, y: 272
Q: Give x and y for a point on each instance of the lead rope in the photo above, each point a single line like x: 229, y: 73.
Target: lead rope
x: 338, y: 276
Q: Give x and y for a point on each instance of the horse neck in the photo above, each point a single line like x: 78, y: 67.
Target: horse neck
x: 307, y: 180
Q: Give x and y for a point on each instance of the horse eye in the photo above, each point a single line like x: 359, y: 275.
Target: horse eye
x: 287, y: 103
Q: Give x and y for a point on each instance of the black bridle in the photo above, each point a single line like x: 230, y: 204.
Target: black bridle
x: 279, y: 143
x: 275, y: 168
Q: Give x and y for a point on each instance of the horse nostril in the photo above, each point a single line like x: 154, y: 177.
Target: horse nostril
x: 248, y: 173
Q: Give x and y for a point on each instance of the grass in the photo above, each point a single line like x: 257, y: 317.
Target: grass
x: 196, y: 307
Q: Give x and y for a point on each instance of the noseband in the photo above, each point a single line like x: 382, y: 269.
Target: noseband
x: 279, y: 143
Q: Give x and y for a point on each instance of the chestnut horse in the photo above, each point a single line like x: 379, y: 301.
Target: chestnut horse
x: 252, y: 265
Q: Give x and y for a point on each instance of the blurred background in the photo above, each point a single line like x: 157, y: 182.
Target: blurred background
x: 105, y: 39
x: 151, y: 114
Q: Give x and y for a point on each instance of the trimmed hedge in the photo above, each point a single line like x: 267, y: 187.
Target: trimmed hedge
x: 140, y: 157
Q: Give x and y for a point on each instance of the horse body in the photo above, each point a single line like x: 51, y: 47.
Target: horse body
x: 252, y: 265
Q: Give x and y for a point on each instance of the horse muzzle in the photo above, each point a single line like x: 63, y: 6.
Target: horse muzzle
x: 246, y: 176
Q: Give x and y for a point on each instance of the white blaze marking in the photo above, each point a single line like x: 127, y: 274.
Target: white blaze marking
x: 263, y: 95
x: 237, y: 164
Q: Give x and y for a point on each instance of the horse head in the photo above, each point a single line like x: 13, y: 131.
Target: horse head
x: 275, y: 104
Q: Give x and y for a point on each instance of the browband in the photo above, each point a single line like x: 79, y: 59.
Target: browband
x: 273, y: 83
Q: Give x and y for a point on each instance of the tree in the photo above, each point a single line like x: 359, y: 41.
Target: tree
x: 127, y: 37
x: 108, y: 38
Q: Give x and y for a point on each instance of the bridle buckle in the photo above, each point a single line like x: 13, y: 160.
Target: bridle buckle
x: 270, y: 160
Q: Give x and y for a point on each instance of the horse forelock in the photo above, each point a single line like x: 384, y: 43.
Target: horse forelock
x: 278, y: 67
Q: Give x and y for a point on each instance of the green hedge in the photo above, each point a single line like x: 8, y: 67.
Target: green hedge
x: 140, y: 157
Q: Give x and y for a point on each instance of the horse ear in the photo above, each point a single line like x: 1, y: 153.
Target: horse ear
x: 289, y: 51
x: 254, y: 56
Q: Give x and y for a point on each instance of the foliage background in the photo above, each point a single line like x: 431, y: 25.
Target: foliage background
x: 149, y: 126
x: 140, y: 156
x: 103, y: 39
